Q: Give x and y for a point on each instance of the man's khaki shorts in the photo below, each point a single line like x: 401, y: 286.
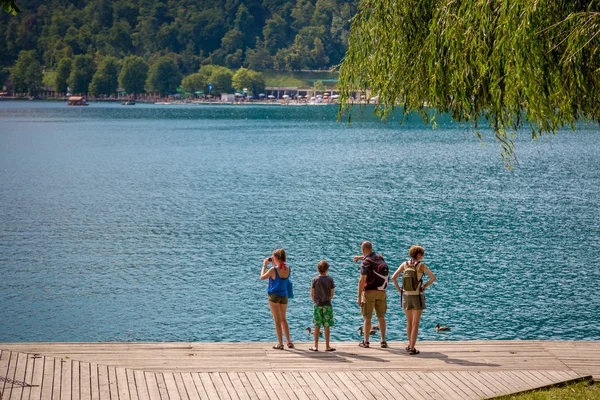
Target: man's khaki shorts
x: 374, y: 299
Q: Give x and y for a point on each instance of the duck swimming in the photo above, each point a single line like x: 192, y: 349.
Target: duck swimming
x: 310, y: 331
x: 441, y: 328
x: 374, y: 330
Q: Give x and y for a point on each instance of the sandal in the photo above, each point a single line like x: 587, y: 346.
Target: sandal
x: 278, y: 346
x: 412, y: 352
x: 290, y: 345
x: 364, y: 344
x: 407, y: 348
x: 331, y: 349
x: 313, y: 349
x: 384, y: 345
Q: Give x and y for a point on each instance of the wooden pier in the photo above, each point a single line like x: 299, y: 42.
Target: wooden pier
x: 245, y: 371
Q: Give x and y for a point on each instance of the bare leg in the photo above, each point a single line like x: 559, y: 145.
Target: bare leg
x: 317, y: 333
x: 382, y: 327
x: 276, y: 320
x: 327, y: 333
x: 284, y: 323
x: 409, y: 314
x: 416, y: 317
x: 367, y: 329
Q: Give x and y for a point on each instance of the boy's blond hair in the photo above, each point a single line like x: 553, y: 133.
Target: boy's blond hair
x: 323, y: 266
x: 415, y: 250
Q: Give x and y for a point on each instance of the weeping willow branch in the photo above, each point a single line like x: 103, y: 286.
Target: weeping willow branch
x: 10, y: 7
x: 505, y: 63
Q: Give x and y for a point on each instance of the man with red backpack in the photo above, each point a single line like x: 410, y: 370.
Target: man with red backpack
x: 374, y: 277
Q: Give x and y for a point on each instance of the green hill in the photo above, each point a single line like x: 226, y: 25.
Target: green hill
x: 257, y: 34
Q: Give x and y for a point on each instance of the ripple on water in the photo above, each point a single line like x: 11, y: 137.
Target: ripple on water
x: 150, y: 223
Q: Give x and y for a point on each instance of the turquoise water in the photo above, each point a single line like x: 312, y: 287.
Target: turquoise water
x: 149, y: 223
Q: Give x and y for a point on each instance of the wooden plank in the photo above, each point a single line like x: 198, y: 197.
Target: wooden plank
x: 202, y: 393
x: 94, y: 382
x: 512, y: 376
x: 344, y: 379
x: 417, y: 383
x: 395, y: 387
x: 220, y: 386
x: 112, y: 383
x: 476, y: 384
x: 321, y: 393
x: 403, y: 381
x: 75, y: 380
x: 131, y: 384
x: 65, y: 381
x: 238, y: 386
x: 85, y: 379
x: 463, y: 390
x: 387, y: 390
x: 209, y: 386
x: 426, y: 389
x: 517, y: 380
x: 463, y: 383
x: 486, y: 382
x: 366, y: 382
x: 268, y: 380
x: 535, y: 377
x: 152, y: 386
x: 104, y: 389
x: 247, y: 385
x: 257, y: 385
x: 121, y: 384
x: 37, y: 375
x: 13, y: 360
x: 47, y: 378
x: 183, y: 393
x: 56, y: 384
x: 303, y: 384
x: 190, y: 386
x: 447, y: 391
x: 162, y: 386
x: 228, y: 385
x: 20, y: 372
x: 141, y: 387
x: 285, y: 385
x: 499, y: 387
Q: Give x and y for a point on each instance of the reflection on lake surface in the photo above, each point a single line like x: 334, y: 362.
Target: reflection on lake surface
x: 149, y: 223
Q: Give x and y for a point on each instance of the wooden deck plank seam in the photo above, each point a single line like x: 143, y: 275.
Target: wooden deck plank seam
x: 114, y: 383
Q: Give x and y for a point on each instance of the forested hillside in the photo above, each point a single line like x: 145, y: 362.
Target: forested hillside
x: 257, y: 34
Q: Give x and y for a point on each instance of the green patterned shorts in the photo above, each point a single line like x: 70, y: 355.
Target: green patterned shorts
x: 323, y: 316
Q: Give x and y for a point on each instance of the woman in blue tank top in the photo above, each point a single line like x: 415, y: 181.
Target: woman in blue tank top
x: 278, y: 276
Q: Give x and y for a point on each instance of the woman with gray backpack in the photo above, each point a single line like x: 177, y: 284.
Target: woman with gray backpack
x: 412, y: 292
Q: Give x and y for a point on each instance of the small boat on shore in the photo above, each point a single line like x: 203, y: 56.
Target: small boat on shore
x: 77, y: 101
x: 128, y: 103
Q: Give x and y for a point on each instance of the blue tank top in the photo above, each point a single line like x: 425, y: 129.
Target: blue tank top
x: 278, y: 285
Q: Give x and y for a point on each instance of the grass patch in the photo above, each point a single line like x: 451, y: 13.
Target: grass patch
x: 578, y: 391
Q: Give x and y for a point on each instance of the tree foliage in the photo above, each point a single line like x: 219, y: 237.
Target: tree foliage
x: 63, y: 71
x: 105, y: 79
x: 10, y: 7
x: 508, y: 63
x: 230, y: 33
x: 133, y: 75
x: 247, y: 79
x: 81, y: 75
x: 164, y: 76
x: 26, y: 75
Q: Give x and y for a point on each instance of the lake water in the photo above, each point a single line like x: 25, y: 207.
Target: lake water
x: 150, y: 223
